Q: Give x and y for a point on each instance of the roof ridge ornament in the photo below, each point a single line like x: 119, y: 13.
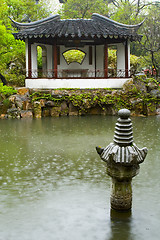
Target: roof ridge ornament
x: 106, y: 19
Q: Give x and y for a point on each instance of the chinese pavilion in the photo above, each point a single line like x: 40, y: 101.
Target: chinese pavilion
x: 91, y: 39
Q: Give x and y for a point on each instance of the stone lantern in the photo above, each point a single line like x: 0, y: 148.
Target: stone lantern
x: 123, y: 158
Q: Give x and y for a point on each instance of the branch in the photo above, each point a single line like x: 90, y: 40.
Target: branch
x: 145, y: 5
x: 3, y: 53
x: 115, y: 3
x: 3, y: 79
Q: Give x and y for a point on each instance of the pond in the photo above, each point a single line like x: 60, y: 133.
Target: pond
x: 53, y: 184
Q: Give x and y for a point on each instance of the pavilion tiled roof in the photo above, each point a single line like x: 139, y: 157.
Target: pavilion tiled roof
x: 96, y: 27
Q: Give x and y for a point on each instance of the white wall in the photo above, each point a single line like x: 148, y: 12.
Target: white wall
x: 100, y: 57
x: 34, y: 60
x: 120, y: 56
x: 49, y: 57
x: 129, y: 67
x: 74, y: 65
x: 75, y: 83
x: 34, y: 57
x: 49, y: 60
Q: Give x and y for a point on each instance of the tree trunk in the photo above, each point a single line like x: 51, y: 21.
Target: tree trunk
x: 3, y: 79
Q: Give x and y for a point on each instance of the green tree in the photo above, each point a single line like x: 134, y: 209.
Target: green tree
x: 126, y: 11
x: 151, y: 37
x: 83, y: 9
x: 12, y: 57
x: 133, y: 7
x: 24, y: 11
x: 12, y: 52
x: 133, y: 12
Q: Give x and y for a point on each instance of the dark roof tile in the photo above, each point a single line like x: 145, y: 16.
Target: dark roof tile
x: 97, y: 27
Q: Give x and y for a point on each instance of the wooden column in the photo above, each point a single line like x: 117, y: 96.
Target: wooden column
x: 55, y: 59
x: 29, y: 60
x: 95, y: 60
x: 90, y: 55
x: 106, y: 60
x: 126, y: 59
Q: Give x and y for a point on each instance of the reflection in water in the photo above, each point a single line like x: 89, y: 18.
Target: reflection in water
x: 121, y: 225
x: 53, y: 183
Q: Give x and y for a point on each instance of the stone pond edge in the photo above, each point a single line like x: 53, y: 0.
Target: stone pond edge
x: 141, y: 98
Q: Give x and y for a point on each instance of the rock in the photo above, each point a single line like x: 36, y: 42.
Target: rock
x: 55, y: 111
x: 152, y: 85
x: 5, y: 105
x: 72, y: 110
x: 139, y: 76
x: 23, y: 91
x: 108, y: 110
x: 139, y: 84
x: 43, y: 102
x: 13, y: 105
x: 158, y: 111
x: 59, y: 93
x: 136, y: 101
x: 139, y: 109
x: 3, y: 116
x: 155, y: 93
x: 55, y: 92
x: 50, y: 104
x: 37, y: 112
x: 114, y: 92
x: 87, y: 103
x: 45, y: 112
x: 26, y: 114
x: 27, y: 105
x: 95, y: 110
x: 151, y: 108
x: 81, y: 102
x: 19, y: 101
x: 12, y: 98
x: 126, y: 86
x: 64, y: 109
x: 13, y: 113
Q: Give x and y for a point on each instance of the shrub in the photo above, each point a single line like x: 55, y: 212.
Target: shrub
x: 6, y: 90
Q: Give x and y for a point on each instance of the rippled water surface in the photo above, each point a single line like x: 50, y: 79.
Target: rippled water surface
x: 54, y: 186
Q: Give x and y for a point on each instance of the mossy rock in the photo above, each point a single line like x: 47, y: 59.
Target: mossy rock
x: 55, y: 111
x: 5, y: 105
x: 139, y: 109
x: 151, y: 108
x: 37, y: 111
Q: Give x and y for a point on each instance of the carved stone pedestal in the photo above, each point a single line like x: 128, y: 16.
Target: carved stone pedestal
x: 121, y: 196
x: 123, y: 158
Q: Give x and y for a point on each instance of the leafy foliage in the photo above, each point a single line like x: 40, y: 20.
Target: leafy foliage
x: 12, y: 58
x: 39, y: 57
x: 83, y: 9
x: 12, y: 52
x: 112, y: 58
x: 7, y: 91
x: 74, y: 55
x: 151, y: 37
x: 22, y: 11
x: 128, y: 11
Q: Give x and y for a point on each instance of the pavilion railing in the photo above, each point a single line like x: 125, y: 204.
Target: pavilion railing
x: 79, y: 73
